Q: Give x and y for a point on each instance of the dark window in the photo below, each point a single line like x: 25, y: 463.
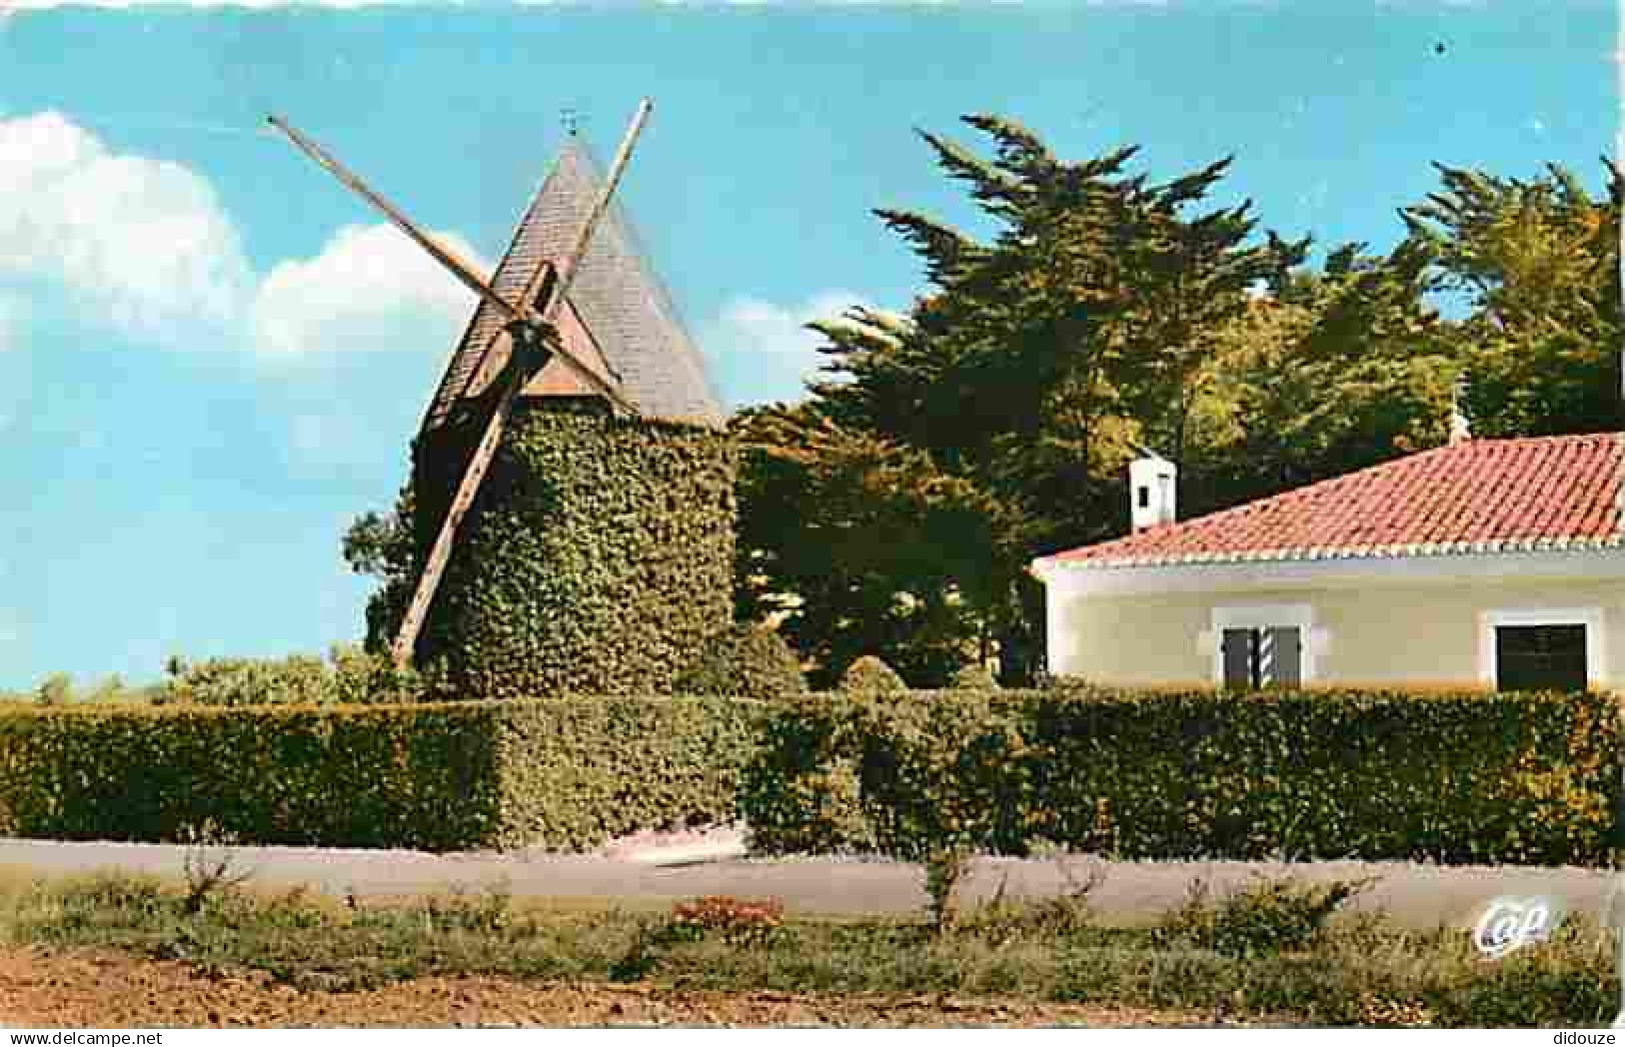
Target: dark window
x: 1145, y: 497
x: 1540, y: 657
x: 1256, y: 658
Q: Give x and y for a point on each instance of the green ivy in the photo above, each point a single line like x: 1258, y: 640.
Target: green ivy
x: 599, y: 559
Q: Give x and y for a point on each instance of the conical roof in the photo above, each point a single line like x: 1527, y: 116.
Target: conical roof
x: 615, y: 295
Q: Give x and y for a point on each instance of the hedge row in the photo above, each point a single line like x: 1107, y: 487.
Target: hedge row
x: 564, y: 773
x: 1517, y: 778
x: 1458, y: 778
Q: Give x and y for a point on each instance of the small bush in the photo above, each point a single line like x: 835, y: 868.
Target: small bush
x: 870, y: 675
x: 370, y: 678
x: 56, y: 689
x: 748, y: 661
x: 299, y: 679
x: 209, y: 865
x: 738, y: 922
x: 973, y: 677
x: 945, y: 867
x: 1267, y: 917
x: 349, y: 676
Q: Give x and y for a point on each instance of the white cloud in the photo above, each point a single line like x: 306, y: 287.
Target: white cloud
x: 142, y: 246
x: 761, y: 351
x: 141, y: 242
x: 370, y: 289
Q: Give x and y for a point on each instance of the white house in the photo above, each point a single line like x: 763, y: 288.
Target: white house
x: 1490, y: 563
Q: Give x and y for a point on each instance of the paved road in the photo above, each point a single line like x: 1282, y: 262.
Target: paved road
x: 1132, y: 891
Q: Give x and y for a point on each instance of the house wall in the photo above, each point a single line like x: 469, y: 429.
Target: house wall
x: 1383, y: 633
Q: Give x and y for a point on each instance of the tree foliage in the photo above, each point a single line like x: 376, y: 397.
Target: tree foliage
x: 1539, y: 262
x: 893, y: 510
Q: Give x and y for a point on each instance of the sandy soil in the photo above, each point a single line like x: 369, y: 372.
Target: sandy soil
x: 107, y: 990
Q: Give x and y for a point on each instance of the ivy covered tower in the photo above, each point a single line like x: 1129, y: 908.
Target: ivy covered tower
x: 598, y: 555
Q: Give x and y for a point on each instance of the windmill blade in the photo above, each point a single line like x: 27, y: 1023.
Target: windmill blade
x: 448, y: 258
x: 444, y: 255
x: 434, y: 568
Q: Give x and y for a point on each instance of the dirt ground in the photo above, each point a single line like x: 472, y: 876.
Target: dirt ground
x: 40, y: 989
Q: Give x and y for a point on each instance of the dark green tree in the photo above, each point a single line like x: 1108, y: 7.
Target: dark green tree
x: 382, y: 546
x: 1015, y: 390
x: 1538, y: 262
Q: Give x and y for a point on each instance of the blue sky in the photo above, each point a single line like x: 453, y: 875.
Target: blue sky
x: 211, y: 356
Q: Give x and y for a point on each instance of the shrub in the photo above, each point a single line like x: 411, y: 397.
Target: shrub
x: 870, y: 675
x: 56, y: 689
x: 974, y: 677
x: 738, y: 922
x: 748, y: 661
x: 1268, y: 916
x: 351, y: 675
x: 372, y: 678
x: 567, y: 774
x: 1456, y: 778
x: 298, y: 679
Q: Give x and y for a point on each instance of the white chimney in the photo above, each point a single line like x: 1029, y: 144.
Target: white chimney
x: 1460, y: 431
x: 1152, y: 489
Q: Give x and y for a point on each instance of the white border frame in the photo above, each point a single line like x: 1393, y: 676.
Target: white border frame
x: 1590, y: 617
x: 1265, y: 616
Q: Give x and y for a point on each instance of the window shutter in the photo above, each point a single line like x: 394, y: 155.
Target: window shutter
x: 1280, y: 661
x: 1238, y: 658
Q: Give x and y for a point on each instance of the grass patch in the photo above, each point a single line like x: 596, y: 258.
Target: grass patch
x: 1275, y: 951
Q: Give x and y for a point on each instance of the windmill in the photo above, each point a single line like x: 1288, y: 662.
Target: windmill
x: 530, y: 336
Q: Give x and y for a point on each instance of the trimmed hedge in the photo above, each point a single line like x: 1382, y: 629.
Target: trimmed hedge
x: 576, y: 774
x: 566, y: 773
x: 1513, y: 778
x: 598, y: 559
x: 1456, y: 778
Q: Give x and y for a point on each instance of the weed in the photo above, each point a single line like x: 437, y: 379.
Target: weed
x: 1268, y: 916
x: 945, y: 867
x: 1268, y: 952
x: 209, y: 863
x: 1067, y: 913
x: 740, y: 923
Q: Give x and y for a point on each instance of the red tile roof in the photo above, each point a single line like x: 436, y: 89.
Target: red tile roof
x: 1557, y: 492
